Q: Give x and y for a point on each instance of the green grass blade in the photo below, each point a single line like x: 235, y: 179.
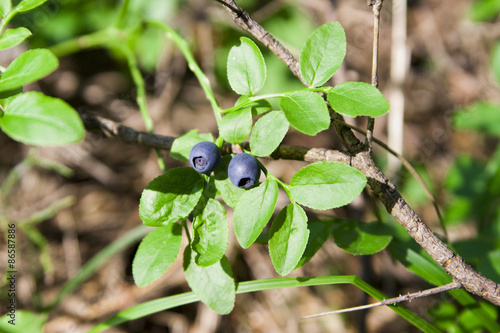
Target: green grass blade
x: 99, y: 259
x: 169, y: 302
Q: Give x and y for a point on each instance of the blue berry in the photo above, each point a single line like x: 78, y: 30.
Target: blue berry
x: 243, y: 170
x: 204, y: 157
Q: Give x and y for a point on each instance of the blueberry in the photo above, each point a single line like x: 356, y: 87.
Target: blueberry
x: 204, y: 157
x: 243, y: 170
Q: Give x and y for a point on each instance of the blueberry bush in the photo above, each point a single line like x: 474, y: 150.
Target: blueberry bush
x: 186, y: 207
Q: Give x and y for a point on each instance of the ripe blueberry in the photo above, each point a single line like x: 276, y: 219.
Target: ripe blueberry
x: 204, y: 157
x: 243, y: 170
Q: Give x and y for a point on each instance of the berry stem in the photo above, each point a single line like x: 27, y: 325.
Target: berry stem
x: 283, y: 185
x: 184, y: 225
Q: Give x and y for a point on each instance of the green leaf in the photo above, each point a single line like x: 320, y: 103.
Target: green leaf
x: 26, y: 5
x: 268, y: 132
x: 482, y: 117
x: 495, y: 59
x: 489, y: 265
x: 156, y: 253
x: 236, y: 126
x: 360, y: 238
x: 230, y: 193
x: 170, y: 197
x: 33, y: 118
x: 5, y: 6
x: 357, y: 99
x: 326, y: 185
x: 444, y: 315
x: 253, y: 211
x: 13, y: 37
x: 29, y: 67
x: 246, y: 69
x: 258, y: 107
x: 214, y: 285
x: 7, y: 96
x: 182, y: 145
x: 288, y: 238
x: 319, y: 231
x: 484, y: 10
x: 323, y: 54
x: 306, y: 111
x: 24, y: 321
x: 210, y: 234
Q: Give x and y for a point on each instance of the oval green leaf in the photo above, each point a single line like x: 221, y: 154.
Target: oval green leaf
x: 306, y: 111
x: 361, y: 238
x: 319, y: 231
x: 288, y: 238
x: 25, y: 321
x: 5, y: 6
x: 29, y: 67
x: 210, y: 234
x: 268, y: 132
x: 170, y: 197
x: 322, y: 54
x: 214, y: 285
x: 246, y: 69
x: 13, y: 37
x: 495, y: 59
x: 33, y: 118
x: 482, y: 117
x: 156, y: 253
x: 182, y: 145
x: 235, y: 127
x: 26, y: 5
x: 253, y: 211
x: 357, y: 99
x: 326, y: 185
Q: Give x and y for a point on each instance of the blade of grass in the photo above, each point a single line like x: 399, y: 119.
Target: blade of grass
x: 169, y: 302
x: 141, y: 96
x: 98, y: 260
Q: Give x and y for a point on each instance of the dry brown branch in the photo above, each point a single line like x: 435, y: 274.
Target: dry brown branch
x: 376, y: 7
x: 395, y: 300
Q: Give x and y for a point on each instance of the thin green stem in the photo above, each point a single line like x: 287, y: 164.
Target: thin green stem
x: 253, y: 99
x: 186, y: 229
x: 141, y: 97
x: 7, y: 19
x: 193, y: 66
x: 99, y: 38
x: 283, y: 185
x: 122, y: 14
